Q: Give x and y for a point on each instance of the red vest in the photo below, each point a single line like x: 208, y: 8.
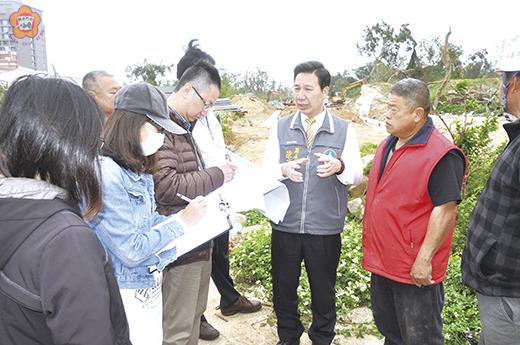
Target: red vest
x: 398, y: 209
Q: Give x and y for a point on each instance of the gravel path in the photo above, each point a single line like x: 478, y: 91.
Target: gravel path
x: 257, y: 328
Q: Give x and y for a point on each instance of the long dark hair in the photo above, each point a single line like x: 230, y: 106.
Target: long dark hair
x: 122, y: 141
x: 50, y: 129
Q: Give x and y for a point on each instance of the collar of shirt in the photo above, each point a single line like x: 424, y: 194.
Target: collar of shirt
x: 181, y: 120
x: 318, y: 120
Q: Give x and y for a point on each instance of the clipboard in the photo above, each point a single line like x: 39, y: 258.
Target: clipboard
x: 215, y: 222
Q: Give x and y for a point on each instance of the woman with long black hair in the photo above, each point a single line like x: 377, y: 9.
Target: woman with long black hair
x: 56, y: 282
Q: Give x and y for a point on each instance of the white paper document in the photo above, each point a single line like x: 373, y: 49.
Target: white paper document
x: 215, y: 222
x: 253, y: 189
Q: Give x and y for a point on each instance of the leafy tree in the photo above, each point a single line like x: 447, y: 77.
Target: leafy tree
x: 148, y: 72
x: 229, y: 85
x: 430, y: 53
x: 383, y: 43
x: 477, y: 65
x: 256, y: 82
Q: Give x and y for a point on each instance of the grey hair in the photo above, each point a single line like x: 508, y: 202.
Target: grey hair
x: 414, y: 91
x: 90, y: 79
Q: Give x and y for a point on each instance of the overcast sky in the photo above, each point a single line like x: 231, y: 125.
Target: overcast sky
x: 243, y: 35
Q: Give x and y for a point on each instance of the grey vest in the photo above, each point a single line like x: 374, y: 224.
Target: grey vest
x: 318, y: 205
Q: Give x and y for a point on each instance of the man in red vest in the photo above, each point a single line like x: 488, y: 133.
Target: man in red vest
x: 411, y: 206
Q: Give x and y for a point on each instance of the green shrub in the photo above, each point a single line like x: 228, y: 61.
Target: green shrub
x: 254, y: 217
x: 451, y: 108
x: 227, y: 132
x: 251, y: 262
x: 460, y: 313
x: 367, y: 149
x: 467, y: 95
x: 462, y: 86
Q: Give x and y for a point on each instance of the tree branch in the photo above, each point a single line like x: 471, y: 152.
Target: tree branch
x: 447, y: 62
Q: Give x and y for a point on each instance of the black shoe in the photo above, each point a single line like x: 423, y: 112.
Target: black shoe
x: 207, y: 331
x: 288, y: 342
x: 242, y: 305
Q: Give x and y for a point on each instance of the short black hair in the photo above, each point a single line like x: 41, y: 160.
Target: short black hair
x: 315, y: 67
x: 51, y: 130
x: 192, y: 55
x: 414, y: 91
x: 203, y: 74
x: 91, y: 78
x: 122, y: 141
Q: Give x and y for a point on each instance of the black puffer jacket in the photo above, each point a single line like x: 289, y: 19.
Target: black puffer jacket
x: 56, y: 281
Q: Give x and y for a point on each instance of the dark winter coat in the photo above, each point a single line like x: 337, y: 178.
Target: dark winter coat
x: 181, y: 170
x: 56, y: 280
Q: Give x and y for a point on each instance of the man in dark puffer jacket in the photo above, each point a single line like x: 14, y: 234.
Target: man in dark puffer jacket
x: 182, y: 170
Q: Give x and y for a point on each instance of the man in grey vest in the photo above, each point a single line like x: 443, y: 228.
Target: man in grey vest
x: 316, y: 155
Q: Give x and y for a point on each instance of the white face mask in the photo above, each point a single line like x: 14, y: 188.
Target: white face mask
x: 153, y: 143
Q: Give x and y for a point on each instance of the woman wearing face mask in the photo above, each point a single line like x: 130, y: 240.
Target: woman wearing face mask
x: 128, y: 225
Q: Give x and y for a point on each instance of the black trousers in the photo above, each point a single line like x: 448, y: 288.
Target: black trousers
x: 406, y: 314
x: 220, y: 271
x: 320, y: 253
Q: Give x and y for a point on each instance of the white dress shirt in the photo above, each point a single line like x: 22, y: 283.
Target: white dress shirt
x: 210, y: 140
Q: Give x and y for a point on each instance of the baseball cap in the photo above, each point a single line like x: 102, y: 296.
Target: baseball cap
x: 145, y: 99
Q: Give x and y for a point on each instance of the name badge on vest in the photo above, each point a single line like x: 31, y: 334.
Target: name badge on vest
x: 330, y: 152
x: 291, y: 155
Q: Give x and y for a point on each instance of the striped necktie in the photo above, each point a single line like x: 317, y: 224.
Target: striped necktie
x: 309, y: 132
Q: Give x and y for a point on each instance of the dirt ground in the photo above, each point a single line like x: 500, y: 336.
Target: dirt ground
x: 251, y: 133
x: 258, y: 328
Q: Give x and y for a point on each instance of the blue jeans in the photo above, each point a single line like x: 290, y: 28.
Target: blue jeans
x: 406, y: 314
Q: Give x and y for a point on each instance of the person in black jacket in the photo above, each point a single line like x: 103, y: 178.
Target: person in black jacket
x: 56, y: 280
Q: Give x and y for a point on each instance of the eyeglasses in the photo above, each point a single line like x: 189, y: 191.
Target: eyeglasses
x: 207, y: 104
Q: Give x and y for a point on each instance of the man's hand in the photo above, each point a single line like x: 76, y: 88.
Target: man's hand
x: 329, y: 166
x: 290, y: 169
x: 421, y: 273
x: 229, y: 171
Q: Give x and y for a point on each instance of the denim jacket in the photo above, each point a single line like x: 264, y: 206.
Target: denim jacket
x: 125, y: 226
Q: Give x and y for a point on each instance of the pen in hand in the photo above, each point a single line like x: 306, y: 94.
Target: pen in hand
x: 195, y: 210
x: 184, y: 197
